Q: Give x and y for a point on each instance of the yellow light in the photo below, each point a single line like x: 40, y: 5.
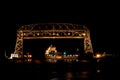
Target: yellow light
x: 59, y: 57
x: 98, y: 55
x: 83, y: 34
x: 24, y: 34
x: 29, y: 56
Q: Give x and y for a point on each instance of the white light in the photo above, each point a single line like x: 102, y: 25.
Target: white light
x: 14, y: 55
x: 53, y: 33
x: 57, y: 34
x: 68, y: 33
x: 76, y: 55
x: 77, y: 60
x: 98, y: 70
x: 38, y: 33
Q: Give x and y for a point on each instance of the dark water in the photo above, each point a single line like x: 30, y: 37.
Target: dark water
x: 83, y: 70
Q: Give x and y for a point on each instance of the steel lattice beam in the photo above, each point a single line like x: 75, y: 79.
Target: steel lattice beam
x: 52, y: 30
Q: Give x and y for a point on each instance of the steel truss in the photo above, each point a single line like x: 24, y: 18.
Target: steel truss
x: 52, y: 30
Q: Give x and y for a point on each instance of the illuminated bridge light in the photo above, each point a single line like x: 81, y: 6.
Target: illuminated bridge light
x: 83, y: 34
x: 68, y: 33
x: 98, y: 55
x: 38, y: 34
x: 50, y: 31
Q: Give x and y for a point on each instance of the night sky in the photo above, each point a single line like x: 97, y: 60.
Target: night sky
x: 104, y: 30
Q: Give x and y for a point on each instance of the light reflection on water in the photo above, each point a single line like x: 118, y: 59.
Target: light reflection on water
x: 83, y: 69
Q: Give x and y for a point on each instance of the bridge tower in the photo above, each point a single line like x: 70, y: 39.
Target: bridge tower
x: 52, y: 30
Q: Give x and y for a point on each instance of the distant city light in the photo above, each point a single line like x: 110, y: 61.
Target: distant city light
x: 64, y: 53
x: 98, y: 70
